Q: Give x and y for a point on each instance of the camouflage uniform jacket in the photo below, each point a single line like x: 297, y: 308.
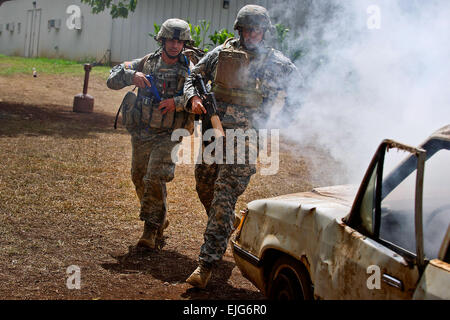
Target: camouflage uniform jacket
x: 273, y: 70
x: 169, y: 81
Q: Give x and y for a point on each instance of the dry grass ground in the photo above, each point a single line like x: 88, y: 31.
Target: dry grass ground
x: 66, y: 198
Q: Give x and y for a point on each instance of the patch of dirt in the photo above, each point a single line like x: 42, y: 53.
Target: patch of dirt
x: 67, y: 199
x: 59, y: 90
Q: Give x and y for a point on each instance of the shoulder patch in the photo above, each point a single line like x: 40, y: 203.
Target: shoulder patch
x: 129, y: 65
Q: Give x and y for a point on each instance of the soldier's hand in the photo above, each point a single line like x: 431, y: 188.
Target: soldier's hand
x: 167, y: 105
x: 197, y: 105
x: 140, y: 81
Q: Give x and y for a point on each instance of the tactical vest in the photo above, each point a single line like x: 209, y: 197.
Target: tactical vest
x: 169, y: 80
x: 233, y: 82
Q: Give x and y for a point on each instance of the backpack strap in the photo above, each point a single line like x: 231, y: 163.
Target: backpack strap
x: 143, y: 62
x: 118, y: 112
x: 186, y: 61
x: 225, y: 44
x: 117, y: 116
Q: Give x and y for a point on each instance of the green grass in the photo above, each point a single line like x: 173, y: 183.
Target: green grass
x: 19, y: 65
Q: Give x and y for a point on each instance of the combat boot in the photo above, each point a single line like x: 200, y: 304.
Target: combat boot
x: 148, y: 239
x: 200, y: 277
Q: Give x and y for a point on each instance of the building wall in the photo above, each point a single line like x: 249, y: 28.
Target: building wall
x: 12, y: 42
x: 104, y: 38
x: 130, y: 37
x: 91, y: 42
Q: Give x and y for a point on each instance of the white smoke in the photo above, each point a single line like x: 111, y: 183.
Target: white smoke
x: 373, y: 70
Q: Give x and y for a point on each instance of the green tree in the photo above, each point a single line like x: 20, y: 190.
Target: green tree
x: 118, y: 10
x: 198, y: 33
x: 157, y: 27
x: 284, y: 44
x: 281, y: 34
x: 219, y: 37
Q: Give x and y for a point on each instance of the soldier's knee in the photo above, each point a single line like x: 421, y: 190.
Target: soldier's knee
x: 161, y: 171
x: 233, y: 186
x: 160, y: 177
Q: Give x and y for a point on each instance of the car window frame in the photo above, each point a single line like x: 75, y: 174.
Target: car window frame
x: 354, y: 220
x: 435, y: 143
x: 444, y: 251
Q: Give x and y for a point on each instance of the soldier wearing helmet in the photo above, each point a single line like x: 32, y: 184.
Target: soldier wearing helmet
x: 248, y: 77
x: 151, y: 118
x: 252, y: 22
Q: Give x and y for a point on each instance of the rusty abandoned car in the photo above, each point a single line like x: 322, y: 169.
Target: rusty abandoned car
x: 386, y: 239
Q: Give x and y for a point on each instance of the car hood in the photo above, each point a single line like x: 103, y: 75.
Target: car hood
x: 332, y: 202
x: 344, y: 194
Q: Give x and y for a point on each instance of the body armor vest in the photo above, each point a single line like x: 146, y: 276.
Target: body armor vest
x: 233, y: 82
x: 169, y: 81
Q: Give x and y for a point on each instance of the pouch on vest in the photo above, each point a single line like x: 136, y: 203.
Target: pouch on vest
x: 168, y: 118
x: 232, y: 69
x: 233, y: 84
x: 147, y: 110
x: 130, y: 114
x: 156, y: 117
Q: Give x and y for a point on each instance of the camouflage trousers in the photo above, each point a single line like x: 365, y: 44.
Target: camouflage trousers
x: 218, y: 187
x: 151, y: 169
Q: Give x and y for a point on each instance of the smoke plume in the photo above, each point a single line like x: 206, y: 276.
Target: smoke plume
x: 372, y: 70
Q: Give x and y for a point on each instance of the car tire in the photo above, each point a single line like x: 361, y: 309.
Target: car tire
x: 289, y: 280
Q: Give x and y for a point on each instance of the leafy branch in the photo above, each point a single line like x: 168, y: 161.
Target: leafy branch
x: 157, y: 27
x: 119, y: 10
x: 220, y: 37
x: 283, y: 44
x: 198, y: 33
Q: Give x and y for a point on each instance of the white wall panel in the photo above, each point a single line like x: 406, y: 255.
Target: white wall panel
x: 91, y: 42
x: 126, y: 38
x: 152, y: 12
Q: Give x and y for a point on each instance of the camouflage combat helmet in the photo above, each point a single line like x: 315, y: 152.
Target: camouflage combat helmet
x: 252, y: 15
x: 174, y: 29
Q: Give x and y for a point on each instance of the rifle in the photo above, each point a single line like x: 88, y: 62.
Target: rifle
x: 210, y: 104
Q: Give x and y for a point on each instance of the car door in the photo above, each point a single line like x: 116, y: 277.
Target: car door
x: 403, y: 218
x: 435, y: 281
x: 355, y: 263
x: 431, y: 236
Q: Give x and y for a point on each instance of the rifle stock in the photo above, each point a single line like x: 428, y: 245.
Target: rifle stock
x: 217, y: 125
x: 210, y: 104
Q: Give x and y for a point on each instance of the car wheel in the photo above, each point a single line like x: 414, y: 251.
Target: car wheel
x: 289, y: 280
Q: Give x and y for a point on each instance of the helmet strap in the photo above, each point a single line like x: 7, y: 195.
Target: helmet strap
x: 167, y: 54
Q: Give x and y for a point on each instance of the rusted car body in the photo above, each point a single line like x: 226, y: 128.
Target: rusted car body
x: 346, y: 242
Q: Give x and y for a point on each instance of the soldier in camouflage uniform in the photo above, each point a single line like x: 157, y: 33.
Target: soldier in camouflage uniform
x: 151, y: 122
x: 245, y: 92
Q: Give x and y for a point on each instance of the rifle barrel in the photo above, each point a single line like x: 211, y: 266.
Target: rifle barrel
x: 202, y: 83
